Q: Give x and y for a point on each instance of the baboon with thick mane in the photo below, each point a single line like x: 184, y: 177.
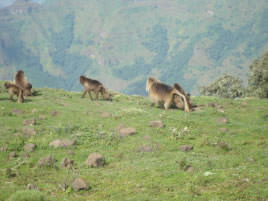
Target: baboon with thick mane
x: 161, y: 93
x: 95, y: 86
x: 21, y: 81
x: 14, y: 90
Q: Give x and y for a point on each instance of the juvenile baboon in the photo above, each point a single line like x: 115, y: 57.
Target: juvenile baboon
x: 95, y: 86
x: 14, y: 90
x: 161, y: 93
x: 21, y: 81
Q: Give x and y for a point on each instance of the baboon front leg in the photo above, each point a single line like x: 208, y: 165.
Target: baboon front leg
x: 11, y: 96
x: 83, y: 95
x: 89, y: 93
x: 168, y: 103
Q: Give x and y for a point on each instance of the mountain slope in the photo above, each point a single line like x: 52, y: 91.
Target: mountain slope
x: 122, y: 42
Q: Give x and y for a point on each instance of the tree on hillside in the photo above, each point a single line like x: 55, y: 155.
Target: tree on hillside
x: 258, y: 80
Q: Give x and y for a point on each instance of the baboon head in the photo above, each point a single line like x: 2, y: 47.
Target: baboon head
x: 6, y: 84
x: 106, y: 95
x: 149, y: 82
x: 82, y: 79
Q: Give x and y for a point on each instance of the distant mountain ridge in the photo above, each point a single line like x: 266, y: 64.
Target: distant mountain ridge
x: 122, y: 42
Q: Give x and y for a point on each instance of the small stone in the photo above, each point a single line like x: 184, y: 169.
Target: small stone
x: 47, y: 161
x: 12, y: 154
x: 186, y: 148
x: 127, y: 131
x: 67, y: 163
x: 29, y: 147
x: 34, y: 110
x: 222, y: 120
x: 28, y: 131
x: 95, y: 160
x: 106, y: 114
x: 79, y: 184
x: 156, y: 124
x: 32, y: 187
x: 54, y: 113
x: 62, y: 143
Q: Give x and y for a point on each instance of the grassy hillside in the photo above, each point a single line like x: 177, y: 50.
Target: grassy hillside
x: 122, y: 42
x: 228, y: 160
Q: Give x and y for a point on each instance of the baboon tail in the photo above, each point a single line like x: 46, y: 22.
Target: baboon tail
x: 186, y: 102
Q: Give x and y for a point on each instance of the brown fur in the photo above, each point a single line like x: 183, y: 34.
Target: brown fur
x: 21, y: 81
x: 14, y: 90
x: 161, y: 93
x: 179, y: 100
x: 95, y: 86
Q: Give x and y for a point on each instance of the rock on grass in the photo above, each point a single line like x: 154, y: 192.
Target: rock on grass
x: 127, y: 132
x: 186, y: 148
x: 29, y: 122
x: 95, y: 160
x: 79, y: 184
x: 156, y: 124
x: 47, y: 161
x: 62, y: 143
x: 29, y: 147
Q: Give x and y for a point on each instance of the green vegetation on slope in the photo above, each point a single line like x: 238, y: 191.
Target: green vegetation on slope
x: 122, y: 42
x: 228, y: 160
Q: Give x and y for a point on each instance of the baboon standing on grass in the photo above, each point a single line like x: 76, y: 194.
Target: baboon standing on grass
x: 95, y: 86
x: 161, y: 93
x: 21, y: 81
x: 14, y: 90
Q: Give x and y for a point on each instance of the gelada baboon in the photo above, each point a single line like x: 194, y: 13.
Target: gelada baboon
x: 14, y: 90
x: 21, y: 81
x: 161, y: 93
x: 95, y: 86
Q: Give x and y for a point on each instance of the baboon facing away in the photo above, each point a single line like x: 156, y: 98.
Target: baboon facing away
x: 95, y: 86
x: 161, y: 93
x: 21, y: 81
x: 14, y: 90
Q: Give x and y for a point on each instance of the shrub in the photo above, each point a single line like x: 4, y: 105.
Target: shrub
x: 226, y: 86
x: 258, y: 80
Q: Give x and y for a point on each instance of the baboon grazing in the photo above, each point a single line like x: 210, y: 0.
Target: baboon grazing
x: 21, y: 81
x: 95, y: 86
x: 14, y: 90
x: 161, y: 93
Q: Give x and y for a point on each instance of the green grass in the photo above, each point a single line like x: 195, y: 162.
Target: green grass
x: 236, y: 157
